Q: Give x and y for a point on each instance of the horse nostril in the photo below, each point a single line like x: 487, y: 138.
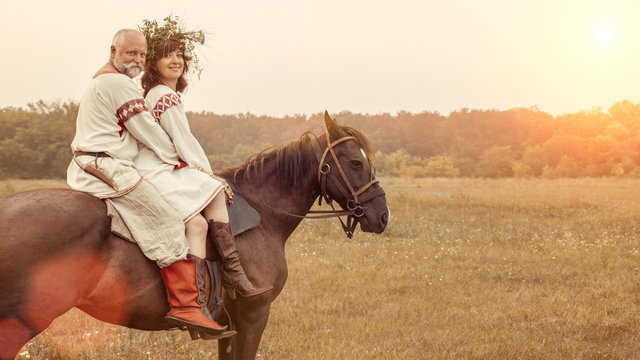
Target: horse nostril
x: 384, y: 218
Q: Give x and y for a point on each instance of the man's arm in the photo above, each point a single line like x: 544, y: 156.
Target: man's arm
x: 132, y: 114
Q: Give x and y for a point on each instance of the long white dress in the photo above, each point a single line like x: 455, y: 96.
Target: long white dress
x: 189, y: 187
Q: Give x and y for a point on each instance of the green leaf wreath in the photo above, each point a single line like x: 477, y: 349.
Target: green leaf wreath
x: 171, y: 29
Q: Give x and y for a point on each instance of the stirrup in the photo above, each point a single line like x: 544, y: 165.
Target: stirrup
x: 195, y: 334
x: 198, y: 327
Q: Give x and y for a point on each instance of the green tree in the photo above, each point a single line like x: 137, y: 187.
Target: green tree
x: 496, y: 162
x: 441, y: 166
x: 36, y: 141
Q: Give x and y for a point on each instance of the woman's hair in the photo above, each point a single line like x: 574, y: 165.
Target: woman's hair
x: 151, y: 76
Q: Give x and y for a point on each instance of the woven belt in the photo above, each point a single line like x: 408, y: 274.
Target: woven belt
x: 96, y: 154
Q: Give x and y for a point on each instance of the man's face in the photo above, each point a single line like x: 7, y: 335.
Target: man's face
x: 129, y: 58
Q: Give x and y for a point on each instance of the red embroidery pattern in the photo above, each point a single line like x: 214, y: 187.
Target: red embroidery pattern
x: 165, y: 102
x: 128, y: 110
x: 181, y: 164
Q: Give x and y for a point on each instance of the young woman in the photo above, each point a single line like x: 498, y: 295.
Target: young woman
x: 191, y: 188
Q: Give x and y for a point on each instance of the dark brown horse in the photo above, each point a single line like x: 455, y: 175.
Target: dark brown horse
x: 56, y: 250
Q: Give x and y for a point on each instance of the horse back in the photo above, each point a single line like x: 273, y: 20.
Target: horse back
x: 44, y: 222
x: 51, y: 243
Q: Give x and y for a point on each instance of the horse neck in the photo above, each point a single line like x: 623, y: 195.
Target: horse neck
x: 277, y: 200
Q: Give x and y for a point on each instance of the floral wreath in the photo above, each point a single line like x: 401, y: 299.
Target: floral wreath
x: 171, y: 29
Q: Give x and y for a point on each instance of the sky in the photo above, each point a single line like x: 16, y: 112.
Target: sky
x: 289, y: 57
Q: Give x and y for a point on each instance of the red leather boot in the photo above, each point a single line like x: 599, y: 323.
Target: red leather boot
x: 184, y: 281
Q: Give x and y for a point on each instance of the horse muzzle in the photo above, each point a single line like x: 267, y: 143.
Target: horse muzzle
x: 375, y: 216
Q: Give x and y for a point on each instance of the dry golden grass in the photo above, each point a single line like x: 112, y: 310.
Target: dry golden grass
x: 467, y: 269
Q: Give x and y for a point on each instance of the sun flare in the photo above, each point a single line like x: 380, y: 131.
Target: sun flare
x: 604, y: 35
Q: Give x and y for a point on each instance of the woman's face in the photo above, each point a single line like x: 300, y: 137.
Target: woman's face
x: 171, y: 66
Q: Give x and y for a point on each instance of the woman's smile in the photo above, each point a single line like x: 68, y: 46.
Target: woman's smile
x: 170, y: 67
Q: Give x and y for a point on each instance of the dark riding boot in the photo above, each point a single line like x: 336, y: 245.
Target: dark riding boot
x: 184, y: 281
x: 234, y: 278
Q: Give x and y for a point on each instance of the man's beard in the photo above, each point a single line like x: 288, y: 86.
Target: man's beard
x: 131, y: 69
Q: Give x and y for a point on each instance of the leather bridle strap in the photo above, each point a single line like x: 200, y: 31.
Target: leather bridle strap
x: 354, y: 208
x: 324, y: 168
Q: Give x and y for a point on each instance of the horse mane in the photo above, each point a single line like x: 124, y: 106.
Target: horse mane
x: 291, y: 159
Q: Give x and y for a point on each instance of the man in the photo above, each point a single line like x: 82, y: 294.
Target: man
x: 108, y: 128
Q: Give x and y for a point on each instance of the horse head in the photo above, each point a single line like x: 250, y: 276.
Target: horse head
x: 346, y: 175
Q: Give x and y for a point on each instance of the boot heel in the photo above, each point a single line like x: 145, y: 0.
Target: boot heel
x: 194, y: 334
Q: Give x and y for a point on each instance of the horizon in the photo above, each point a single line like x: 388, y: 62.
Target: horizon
x: 604, y: 110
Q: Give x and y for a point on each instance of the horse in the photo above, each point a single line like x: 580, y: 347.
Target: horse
x: 57, y: 251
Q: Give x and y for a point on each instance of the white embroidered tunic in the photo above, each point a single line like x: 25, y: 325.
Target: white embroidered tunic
x: 190, y: 188
x: 111, y: 116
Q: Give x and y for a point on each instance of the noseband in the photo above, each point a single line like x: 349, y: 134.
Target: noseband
x: 355, y: 199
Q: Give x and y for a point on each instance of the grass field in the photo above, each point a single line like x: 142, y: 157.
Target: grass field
x: 467, y: 269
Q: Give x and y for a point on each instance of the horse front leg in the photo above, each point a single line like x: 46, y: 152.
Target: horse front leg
x: 250, y: 319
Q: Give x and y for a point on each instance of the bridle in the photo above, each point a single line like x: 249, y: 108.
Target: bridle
x: 355, y: 210
x: 355, y: 199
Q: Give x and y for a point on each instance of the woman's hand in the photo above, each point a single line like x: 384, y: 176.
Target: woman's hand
x: 227, y: 188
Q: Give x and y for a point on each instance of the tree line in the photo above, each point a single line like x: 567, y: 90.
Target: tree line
x: 520, y: 142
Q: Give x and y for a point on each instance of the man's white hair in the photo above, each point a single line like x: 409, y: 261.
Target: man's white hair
x: 118, y: 38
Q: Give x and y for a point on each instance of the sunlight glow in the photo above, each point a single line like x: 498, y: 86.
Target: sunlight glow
x: 604, y: 34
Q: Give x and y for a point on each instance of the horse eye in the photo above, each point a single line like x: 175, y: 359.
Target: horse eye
x: 356, y: 164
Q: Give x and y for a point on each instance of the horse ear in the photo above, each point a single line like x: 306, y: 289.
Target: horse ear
x: 332, y: 127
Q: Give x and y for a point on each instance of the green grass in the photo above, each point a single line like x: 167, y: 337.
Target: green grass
x: 467, y: 269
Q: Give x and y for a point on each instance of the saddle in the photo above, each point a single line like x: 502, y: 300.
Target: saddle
x: 242, y: 217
